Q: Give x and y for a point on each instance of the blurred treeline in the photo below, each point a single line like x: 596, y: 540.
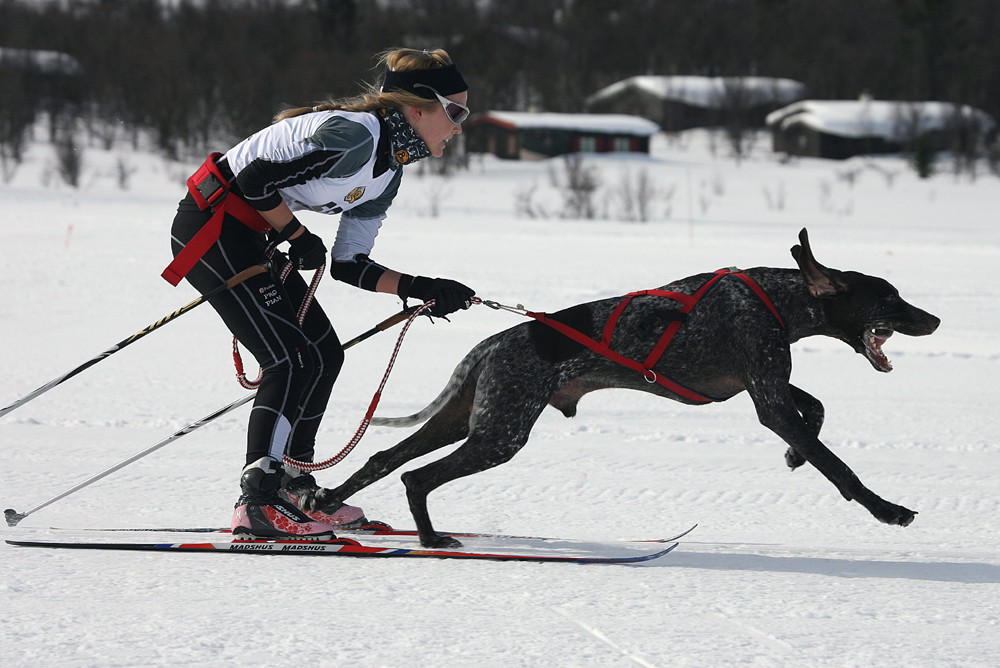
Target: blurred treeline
x: 194, y: 72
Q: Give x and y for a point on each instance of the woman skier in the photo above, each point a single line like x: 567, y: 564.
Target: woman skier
x: 339, y: 157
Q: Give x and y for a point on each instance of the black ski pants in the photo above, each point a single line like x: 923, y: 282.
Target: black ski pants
x: 299, y: 363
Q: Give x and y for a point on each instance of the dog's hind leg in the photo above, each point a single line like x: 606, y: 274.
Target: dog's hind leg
x: 497, y: 433
x: 449, y: 425
x: 812, y: 413
x: 477, y: 454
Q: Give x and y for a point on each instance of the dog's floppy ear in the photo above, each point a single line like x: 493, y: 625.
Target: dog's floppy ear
x: 822, y: 282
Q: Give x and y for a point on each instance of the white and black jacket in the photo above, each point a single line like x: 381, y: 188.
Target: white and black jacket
x: 326, y: 161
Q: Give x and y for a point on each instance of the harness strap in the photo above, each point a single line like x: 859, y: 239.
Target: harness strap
x: 602, y: 349
x: 759, y: 291
x: 210, y: 189
x: 688, y: 302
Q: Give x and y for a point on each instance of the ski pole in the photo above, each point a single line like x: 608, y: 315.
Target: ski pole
x: 13, y: 517
x: 249, y: 272
x: 391, y: 321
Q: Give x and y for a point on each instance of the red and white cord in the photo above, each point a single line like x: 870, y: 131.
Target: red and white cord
x: 307, y: 301
x: 336, y: 459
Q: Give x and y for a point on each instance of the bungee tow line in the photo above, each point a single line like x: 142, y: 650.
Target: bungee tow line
x: 300, y: 317
x: 310, y: 467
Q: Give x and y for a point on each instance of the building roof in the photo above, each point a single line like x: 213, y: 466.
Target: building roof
x: 48, y: 62
x: 891, y: 120
x: 602, y: 123
x: 707, y: 92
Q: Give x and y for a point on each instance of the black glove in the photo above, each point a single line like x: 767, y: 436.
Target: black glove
x: 307, y: 251
x: 448, y: 295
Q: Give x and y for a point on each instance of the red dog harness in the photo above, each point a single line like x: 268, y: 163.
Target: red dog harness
x: 210, y: 188
x: 688, y: 302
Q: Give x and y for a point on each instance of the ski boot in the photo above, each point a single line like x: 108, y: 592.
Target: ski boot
x: 300, y: 488
x: 261, y: 512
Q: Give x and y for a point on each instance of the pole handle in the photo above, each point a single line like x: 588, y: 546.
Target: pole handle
x: 391, y: 321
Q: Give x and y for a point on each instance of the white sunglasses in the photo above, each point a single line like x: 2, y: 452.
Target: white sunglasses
x: 456, y: 112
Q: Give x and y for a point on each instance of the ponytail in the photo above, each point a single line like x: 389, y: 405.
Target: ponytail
x: 374, y: 98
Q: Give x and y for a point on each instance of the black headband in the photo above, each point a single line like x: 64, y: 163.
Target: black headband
x: 445, y: 80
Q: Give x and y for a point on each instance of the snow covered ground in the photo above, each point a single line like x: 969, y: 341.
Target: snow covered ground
x: 781, y: 570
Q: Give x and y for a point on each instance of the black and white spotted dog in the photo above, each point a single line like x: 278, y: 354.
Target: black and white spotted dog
x: 732, y: 339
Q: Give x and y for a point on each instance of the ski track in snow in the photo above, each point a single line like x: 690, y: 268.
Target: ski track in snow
x: 781, y: 571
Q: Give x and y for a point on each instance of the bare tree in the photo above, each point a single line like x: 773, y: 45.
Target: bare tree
x: 736, y: 105
x: 578, y: 185
x: 69, y: 155
x: 637, y: 195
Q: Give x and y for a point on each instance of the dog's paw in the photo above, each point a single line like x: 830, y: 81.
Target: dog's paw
x: 438, y: 542
x: 898, y: 516
x: 793, y: 459
x: 321, y: 499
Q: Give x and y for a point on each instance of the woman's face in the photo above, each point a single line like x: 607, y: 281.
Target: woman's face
x: 433, y: 125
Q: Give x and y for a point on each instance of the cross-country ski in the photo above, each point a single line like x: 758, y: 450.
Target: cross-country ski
x: 491, y: 548
x: 370, y: 529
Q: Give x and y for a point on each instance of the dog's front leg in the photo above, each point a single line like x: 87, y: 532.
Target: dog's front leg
x: 777, y: 410
x: 813, y: 414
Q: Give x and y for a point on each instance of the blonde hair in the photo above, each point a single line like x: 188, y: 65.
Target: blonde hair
x: 374, y: 98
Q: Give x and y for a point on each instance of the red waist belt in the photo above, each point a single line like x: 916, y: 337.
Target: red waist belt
x: 688, y: 302
x: 210, y: 190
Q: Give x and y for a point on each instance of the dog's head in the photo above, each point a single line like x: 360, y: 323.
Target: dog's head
x: 863, y: 311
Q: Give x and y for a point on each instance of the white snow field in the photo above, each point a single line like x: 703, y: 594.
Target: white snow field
x: 781, y: 571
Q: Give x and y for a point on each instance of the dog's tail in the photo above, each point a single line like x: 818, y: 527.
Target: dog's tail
x: 458, y: 379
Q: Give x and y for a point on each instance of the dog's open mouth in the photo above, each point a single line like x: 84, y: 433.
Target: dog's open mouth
x: 873, y: 340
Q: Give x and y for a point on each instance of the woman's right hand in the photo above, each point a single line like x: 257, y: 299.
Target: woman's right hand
x: 307, y: 251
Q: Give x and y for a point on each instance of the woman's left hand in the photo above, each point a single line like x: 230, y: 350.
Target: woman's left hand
x: 448, y: 295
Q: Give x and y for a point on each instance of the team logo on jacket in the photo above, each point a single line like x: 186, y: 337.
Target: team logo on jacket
x: 402, y: 156
x: 355, y: 195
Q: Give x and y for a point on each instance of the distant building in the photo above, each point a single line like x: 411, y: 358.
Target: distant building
x: 39, y: 60
x: 39, y: 79
x: 682, y: 102
x: 535, y: 136
x: 840, y: 129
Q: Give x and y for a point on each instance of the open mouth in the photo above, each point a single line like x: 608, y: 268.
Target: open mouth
x: 873, y: 340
